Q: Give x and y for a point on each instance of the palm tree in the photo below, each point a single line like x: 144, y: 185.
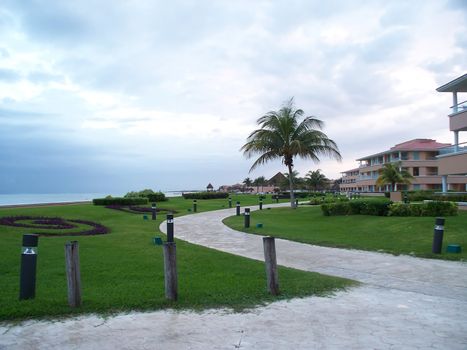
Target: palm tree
x: 247, y: 182
x: 284, y: 135
x: 393, y: 174
x: 261, y: 182
x: 315, y: 179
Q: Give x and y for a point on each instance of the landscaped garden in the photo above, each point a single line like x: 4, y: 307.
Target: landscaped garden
x: 391, y: 234
x: 122, y: 270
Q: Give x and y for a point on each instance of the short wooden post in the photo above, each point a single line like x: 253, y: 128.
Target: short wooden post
x: 73, y: 275
x: 271, y: 265
x: 170, y: 271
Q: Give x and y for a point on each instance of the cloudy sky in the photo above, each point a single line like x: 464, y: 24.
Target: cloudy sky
x: 111, y: 96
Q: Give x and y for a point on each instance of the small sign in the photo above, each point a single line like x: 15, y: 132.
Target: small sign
x: 170, y: 221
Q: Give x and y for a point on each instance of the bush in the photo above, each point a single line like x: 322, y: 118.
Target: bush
x: 357, y: 207
x: 331, y: 209
x: 435, y: 208
x: 157, y: 197
x: 120, y: 201
x: 205, y: 195
x: 418, y: 196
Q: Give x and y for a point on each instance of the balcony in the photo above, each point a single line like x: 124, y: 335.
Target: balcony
x: 458, y: 117
x: 452, y: 160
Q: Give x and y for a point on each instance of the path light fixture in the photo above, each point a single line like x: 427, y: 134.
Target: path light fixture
x: 260, y: 204
x: 27, y: 283
x: 195, y: 206
x: 238, y: 209
x: 247, y: 218
x: 230, y: 202
x: 438, y: 236
x: 170, y: 227
x: 154, y: 211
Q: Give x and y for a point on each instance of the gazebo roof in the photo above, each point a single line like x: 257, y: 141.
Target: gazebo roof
x: 209, y: 186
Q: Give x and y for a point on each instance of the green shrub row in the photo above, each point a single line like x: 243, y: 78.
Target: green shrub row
x: 157, y: 197
x: 205, y: 195
x: 435, y: 208
x: 120, y: 201
x: 356, y: 207
x: 386, y: 208
x: 328, y: 199
x: 418, y: 196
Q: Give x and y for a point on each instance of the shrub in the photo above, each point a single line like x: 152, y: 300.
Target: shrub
x: 157, y: 197
x: 331, y: 209
x: 356, y: 207
x: 434, y: 208
x: 205, y: 195
x: 120, y: 201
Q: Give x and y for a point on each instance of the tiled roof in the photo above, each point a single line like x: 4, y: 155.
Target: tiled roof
x: 419, y: 144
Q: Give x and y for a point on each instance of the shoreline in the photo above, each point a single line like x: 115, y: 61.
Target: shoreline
x: 34, y: 205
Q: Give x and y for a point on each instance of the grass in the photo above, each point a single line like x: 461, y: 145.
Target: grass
x: 123, y: 270
x: 395, y: 235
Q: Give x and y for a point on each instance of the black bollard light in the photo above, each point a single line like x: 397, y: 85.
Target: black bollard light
x: 260, y: 204
x: 438, y: 236
x: 247, y: 217
x: 195, y: 206
x: 27, y: 282
x: 277, y: 199
x: 230, y: 202
x: 238, y: 208
x: 296, y: 203
x: 170, y: 227
x: 153, y: 211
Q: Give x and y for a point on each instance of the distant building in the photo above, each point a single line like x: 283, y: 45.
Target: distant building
x: 418, y: 157
x: 209, y: 187
x: 277, y: 180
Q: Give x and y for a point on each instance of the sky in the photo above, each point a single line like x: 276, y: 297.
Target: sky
x: 112, y: 96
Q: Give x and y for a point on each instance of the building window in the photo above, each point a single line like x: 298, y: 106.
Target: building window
x: 404, y: 155
x: 416, y: 187
x: 432, y: 171
x: 415, y: 171
x: 416, y: 155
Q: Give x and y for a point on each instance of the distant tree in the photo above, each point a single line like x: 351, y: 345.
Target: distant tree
x: 316, y: 180
x: 262, y: 181
x: 247, y: 182
x: 284, y: 135
x: 392, y: 174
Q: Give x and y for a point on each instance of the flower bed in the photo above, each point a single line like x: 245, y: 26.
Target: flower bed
x: 54, y: 223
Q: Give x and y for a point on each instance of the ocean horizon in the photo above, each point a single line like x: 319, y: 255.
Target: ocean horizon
x: 43, y: 198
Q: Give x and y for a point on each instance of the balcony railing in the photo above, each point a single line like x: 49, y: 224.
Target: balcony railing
x: 461, y: 147
x: 460, y: 107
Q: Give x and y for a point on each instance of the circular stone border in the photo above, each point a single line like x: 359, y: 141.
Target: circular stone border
x: 54, y: 223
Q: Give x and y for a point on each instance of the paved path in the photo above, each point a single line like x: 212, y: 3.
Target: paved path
x: 404, y: 303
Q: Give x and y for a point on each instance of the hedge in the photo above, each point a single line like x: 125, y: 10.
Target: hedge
x: 205, y: 195
x: 157, y: 197
x: 435, y: 208
x: 356, y: 207
x: 418, y: 196
x: 120, y: 201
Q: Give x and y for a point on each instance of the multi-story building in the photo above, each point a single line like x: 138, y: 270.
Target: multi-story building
x: 452, y: 160
x: 418, y: 157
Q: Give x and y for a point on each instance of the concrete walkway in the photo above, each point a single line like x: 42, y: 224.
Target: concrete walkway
x: 404, y: 303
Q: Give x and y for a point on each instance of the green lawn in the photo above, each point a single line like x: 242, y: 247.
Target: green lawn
x: 123, y: 270
x: 396, y: 235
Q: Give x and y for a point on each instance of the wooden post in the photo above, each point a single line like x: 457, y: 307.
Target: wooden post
x: 271, y: 265
x: 170, y: 271
x: 73, y: 275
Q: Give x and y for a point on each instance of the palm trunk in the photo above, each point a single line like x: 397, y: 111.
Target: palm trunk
x: 292, y: 197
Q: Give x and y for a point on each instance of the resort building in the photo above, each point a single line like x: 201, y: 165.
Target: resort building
x: 418, y: 157
x: 452, y: 160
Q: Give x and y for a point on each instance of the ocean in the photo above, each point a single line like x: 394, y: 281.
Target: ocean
x: 34, y: 198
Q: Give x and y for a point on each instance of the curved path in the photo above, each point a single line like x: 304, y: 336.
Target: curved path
x: 404, y: 303
x: 426, y: 276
